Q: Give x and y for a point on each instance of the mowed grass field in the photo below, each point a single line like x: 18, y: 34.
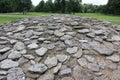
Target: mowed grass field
x: 110, y: 18
x: 8, y: 17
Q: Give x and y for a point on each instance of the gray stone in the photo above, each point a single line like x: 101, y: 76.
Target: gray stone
x: 29, y: 57
x: 7, y: 64
x: 42, y: 39
x: 32, y: 46
x: 69, y: 42
x: 15, y: 74
x: 72, y: 50
x: 3, y: 78
x: 102, y: 64
x: 74, y: 23
x: 61, y: 57
x: 114, y: 58
x: 48, y: 46
x: 91, y: 35
x: 42, y: 51
x: 112, y: 66
x: 20, y: 28
x: 48, y: 76
x: 82, y: 62
x: 51, y: 62
x: 58, y: 33
x: 93, y: 67
x: 5, y: 49
x: 22, y: 60
x: 60, y: 46
x: 115, y: 38
x: 29, y: 33
x: 78, y: 54
x: 24, y: 51
x: 82, y: 74
x: 78, y: 27
x: 84, y: 31
x: 4, y: 56
x: 89, y: 58
x: 3, y: 72
x: 38, y: 68
x: 66, y: 37
x: 19, y: 46
x: 71, y: 33
x: 103, y: 49
x: 2, y: 42
x: 57, y: 68
x: 13, y: 41
x: 99, y: 32
x: 14, y: 55
x: 32, y: 62
x: 85, y: 46
x: 66, y: 71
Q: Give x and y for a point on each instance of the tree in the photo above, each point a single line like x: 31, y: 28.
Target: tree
x: 23, y: 5
x: 49, y: 6
x: 74, y: 6
x: 7, y: 6
x: 57, y: 5
x: 63, y: 4
x: 113, y: 7
x: 15, y: 5
x: 40, y: 6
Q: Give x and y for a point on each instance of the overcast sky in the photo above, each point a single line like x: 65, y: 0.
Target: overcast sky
x: 95, y: 2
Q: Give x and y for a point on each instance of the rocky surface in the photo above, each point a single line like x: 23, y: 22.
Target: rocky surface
x: 59, y: 47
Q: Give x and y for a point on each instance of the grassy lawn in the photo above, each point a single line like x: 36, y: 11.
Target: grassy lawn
x: 8, y: 17
x: 4, y: 18
x: 113, y: 19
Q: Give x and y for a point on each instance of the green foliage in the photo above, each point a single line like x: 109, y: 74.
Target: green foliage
x: 40, y: 7
x: 63, y: 6
x: 15, y: 5
x: 57, y: 5
x: 89, y: 8
x: 113, y: 7
x: 49, y: 7
x: 5, y: 6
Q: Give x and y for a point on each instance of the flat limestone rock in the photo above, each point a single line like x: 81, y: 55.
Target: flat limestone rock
x: 19, y: 46
x: 38, y: 68
x: 33, y: 46
x: 4, y: 49
x: 51, y: 62
x: 15, y: 74
x: 41, y: 51
x: 14, y: 55
x: 7, y: 64
x: 61, y: 57
x: 103, y: 49
x: 72, y: 50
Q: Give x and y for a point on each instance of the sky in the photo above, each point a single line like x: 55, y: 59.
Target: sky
x: 95, y: 2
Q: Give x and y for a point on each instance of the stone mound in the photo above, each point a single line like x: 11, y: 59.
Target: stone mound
x: 59, y: 47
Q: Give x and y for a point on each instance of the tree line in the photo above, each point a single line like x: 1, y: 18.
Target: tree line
x: 63, y: 6
x: 59, y: 6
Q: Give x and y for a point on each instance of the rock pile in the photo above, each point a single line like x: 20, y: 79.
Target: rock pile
x: 59, y: 47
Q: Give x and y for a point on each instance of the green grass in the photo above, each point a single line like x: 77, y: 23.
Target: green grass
x: 8, y: 17
x: 110, y: 18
